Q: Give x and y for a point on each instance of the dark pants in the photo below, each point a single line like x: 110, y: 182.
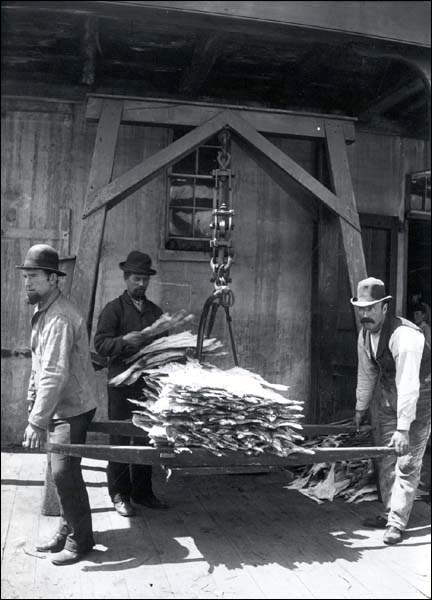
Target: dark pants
x: 128, y: 481
x: 75, y: 515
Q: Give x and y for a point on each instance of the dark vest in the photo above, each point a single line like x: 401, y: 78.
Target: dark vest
x: 385, y: 361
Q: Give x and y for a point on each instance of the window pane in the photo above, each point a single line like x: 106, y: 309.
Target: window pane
x: 180, y: 222
x: 186, y: 164
x: 203, y: 218
x: 203, y: 195
x: 207, y: 160
x: 181, y: 192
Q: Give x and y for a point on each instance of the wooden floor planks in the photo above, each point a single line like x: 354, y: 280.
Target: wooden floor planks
x: 242, y: 536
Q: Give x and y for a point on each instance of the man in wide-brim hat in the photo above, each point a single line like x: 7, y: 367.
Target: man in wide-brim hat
x: 392, y: 353
x: 118, y: 336
x: 61, y: 396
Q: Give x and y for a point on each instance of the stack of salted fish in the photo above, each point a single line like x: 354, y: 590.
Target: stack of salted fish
x: 351, y: 480
x: 168, y: 349
x: 193, y: 404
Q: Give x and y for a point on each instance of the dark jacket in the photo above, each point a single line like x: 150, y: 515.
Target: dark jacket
x: 121, y: 316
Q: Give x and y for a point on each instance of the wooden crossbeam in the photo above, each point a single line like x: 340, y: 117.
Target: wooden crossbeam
x: 111, y: 194
x: 146, y: 455
x: 288, y: 166
x: 193, y: 114
x: 124, y: 185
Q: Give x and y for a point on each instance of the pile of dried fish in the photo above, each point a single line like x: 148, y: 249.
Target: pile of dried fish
x: 193, y: 404
x: 167, y: 322
x: 351, y: 480
x: 171, y: 348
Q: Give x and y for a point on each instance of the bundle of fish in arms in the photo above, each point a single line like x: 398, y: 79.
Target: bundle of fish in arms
x: 352, y: 480
x: 200, y: 405
x: 170, y: 348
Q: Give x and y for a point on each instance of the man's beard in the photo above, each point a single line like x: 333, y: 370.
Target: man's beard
x: 138, y: 294
x: 32, y: 298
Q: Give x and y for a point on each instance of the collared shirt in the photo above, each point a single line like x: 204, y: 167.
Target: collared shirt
x: 406, y: 346
x: 62, y: 382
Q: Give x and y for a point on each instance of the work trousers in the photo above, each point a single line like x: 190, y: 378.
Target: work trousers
x: 127, y: 481
x: 400, y: 475
x: 75, y: 515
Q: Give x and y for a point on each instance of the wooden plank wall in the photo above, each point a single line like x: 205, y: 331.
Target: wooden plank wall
x: 46, y: 155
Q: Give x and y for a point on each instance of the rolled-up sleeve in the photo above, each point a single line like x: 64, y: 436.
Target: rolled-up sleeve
x: 54, y: 370
x: 406, y: 345
x: 367, y: 376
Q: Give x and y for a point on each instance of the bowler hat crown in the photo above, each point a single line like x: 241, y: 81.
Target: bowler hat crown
x: 370, y: 291
x: 138, y: 262
x: 42, y: 256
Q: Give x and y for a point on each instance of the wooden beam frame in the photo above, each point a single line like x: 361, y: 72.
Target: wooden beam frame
x: 124, y: 185
x: 84, y: 282
x: 341, y: 182
x: 156, y: 111
x: 147, y: 455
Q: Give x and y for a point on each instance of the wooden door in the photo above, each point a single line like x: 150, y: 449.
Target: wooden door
x: 337, y: 374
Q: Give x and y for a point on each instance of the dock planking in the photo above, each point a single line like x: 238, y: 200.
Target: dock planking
x: 230, y: 536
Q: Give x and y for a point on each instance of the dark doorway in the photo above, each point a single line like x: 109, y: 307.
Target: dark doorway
x: 419, y: 262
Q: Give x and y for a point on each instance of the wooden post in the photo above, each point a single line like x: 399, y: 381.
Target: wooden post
x: 84, y: 280
x: 341, y: 181
x: 86, y: 266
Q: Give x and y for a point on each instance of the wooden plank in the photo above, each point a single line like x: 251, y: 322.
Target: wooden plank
x: 110, y: 537
x: 285, y: 530
x: 30, y: 233
x: 22, y: 536
x: 11, y: 467
x: 84, y: 282
x: 64, y: 231
x: 225, y: 576
x: 126, y: 184
x: 127, y: 428
x: 341, y: 180
x: 389, y: 23
x: 194, y: 114
x: 287, y: 166
x: 198, y: 457
x: 130, y: 181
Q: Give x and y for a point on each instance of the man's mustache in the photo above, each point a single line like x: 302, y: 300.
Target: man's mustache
x: 366, y: 320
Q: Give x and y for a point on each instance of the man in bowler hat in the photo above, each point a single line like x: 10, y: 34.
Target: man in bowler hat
x: 118, y: 336
x: 61, y: 396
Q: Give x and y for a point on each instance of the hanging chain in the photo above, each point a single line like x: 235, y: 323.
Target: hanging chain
x: 222, y: 224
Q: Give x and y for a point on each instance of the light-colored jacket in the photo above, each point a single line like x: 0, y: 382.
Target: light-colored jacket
x: 62, y: 383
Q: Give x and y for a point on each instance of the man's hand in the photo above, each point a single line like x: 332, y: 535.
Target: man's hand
x: 358, y: 418
x: 400, y: 442
x: 34, y: 437
x: 135, y: 339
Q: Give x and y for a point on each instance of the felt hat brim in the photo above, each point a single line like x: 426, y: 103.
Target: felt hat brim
x: 363, y: 303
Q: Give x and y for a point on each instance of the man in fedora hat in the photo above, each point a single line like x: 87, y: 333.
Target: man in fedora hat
x: 118, y: 337
x: 393, y: 355
x: 62, y: 397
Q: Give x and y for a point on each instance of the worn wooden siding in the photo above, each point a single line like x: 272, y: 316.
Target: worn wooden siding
x: 46, y: 150
x: 379, y: 164
x: 272, y: 239
x: 46, y: 155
